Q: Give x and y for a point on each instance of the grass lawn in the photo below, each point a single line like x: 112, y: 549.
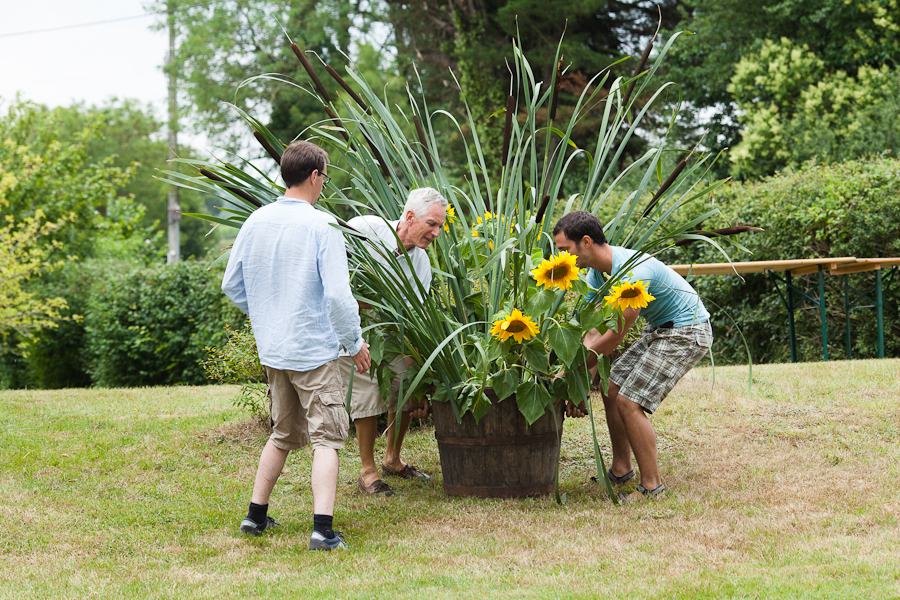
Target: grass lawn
x: 790, y: 492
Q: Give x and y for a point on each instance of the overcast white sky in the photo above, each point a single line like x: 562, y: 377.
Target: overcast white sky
x: 82, y: 64
x: 89, y: 64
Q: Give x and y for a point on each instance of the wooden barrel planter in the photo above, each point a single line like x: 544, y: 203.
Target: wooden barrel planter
x: 501, y: 456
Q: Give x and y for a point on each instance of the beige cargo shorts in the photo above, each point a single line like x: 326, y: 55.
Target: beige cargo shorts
x: 308, y: 407
x: 365, y: 399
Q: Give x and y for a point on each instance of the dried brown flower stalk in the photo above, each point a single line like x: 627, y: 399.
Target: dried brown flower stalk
x: 555, y: 101
x: 540, y: 213
x: 349, y: 90
x: 265, y: 144
x: 638, y: 70
x: 309, y: 71
x: 666, y: 185
x: 231, y: 187
x: 334, y: 119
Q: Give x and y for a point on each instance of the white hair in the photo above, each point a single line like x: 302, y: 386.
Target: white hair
x: 420, y: 201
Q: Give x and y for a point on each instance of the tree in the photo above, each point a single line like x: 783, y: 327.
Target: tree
x: 131, y: 138
x: 58, y: 207
x: 845, y: 35
x: 22, y: 256
x: 474, y: 38
x: 795, y: 110
x: 222, y: 44
x: 54, y: 174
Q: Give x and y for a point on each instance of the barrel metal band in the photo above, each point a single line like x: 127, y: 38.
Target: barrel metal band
x: 499, y: 491
x: 525, y: 440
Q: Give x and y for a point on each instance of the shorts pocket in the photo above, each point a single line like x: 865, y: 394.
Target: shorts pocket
x: 704, y: 338
x: 334, y: 415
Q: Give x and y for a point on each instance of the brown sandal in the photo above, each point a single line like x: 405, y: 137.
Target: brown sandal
x: 376, y: 488
x: 407, y: 472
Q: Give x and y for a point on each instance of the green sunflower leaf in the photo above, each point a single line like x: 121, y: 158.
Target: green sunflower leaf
x: 565, y: 340
x: 533, y: 400
x: 505, y: 383
x: 540, y: 303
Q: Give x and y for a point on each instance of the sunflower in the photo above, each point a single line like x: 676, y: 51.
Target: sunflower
x: 451, y: 218
x: 516, y: 325
x: 629, y: 295
x: 559, y: 272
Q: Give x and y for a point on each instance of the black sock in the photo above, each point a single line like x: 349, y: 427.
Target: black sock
x: 322, y: 524
x: 258, y: 512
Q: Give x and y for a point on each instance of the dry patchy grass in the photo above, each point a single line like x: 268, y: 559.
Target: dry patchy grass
x: 789, y: 491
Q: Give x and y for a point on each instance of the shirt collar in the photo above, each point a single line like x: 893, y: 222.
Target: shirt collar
x: 286, y: 199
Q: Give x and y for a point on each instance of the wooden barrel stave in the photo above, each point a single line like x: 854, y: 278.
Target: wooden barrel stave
x: 500, y: 457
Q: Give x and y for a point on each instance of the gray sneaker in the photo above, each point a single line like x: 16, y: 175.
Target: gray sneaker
x: 320, y: 542
x: 250, y: 526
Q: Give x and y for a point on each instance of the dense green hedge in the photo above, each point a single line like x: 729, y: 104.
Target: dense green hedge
x: 141, y: 326
x: 152, y: 326
x: 848, y: 209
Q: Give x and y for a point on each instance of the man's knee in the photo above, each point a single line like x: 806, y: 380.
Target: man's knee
x: 628, y: 408
x: 610, y: 398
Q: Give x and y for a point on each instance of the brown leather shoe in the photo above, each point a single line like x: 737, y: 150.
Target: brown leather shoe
x: 376, y: 488
x: 407, y: 472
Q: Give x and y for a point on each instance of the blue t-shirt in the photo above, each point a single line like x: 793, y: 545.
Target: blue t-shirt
x: 675, y: 301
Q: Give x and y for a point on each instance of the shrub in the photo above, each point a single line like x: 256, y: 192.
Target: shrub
x: 55, y: 358
x: 238, y: 362
x: 847, y: 209
x: 151, y: 326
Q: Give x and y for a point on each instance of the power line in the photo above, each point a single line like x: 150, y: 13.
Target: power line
x: 64, y: 27
x: 106, y: 22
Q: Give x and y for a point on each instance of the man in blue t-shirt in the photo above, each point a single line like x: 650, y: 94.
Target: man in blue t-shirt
x: 677, y: 336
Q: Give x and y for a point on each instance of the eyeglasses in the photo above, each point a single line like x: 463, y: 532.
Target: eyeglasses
x: 326, y: 179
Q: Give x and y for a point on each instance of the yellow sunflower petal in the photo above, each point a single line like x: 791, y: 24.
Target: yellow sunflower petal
x: 559, y: 271
x: 517, y: 326
x: 497, y: 329
x: 629, y: 295
x: 451, y: 217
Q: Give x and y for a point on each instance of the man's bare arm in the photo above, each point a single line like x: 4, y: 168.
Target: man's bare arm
x: 605, y: 344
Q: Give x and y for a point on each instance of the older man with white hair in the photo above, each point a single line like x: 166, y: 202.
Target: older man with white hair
x: 421, y: 223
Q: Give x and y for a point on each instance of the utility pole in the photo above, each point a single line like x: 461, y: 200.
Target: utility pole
x: 174, y: 210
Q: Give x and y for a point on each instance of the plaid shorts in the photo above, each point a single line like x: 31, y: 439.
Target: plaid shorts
x: 651, y: 367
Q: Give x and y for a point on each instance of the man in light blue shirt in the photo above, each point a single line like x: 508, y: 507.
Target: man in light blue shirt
x: 288, y: 271
x: 678, y: 335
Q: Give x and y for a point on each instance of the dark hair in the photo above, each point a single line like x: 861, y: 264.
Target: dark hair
x: 299, y: 160
x: 578, y: 224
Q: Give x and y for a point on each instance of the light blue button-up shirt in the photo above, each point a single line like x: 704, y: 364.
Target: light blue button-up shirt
x: 288, y: 272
